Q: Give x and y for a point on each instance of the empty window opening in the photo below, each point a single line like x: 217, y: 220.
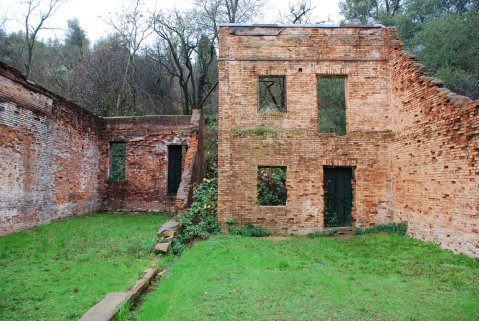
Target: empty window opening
x: 117, y: 161
x: 272, y: 94
x: 331, y: 105
x: 175, y: 163
x: 338, y: 196
x: 272, y: 186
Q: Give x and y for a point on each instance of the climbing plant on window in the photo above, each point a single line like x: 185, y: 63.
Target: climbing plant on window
x: 117, y: 161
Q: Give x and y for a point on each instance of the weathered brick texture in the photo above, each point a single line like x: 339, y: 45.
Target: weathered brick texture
x: 49, y: 152
x: 413, y: 148
x: 54, y: 157
x: 435, y: 157
x: 301, y: 54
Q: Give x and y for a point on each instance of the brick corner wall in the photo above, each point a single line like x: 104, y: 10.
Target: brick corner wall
x: 147, y: 139
x: 413, y: 144
x: 54, y: 157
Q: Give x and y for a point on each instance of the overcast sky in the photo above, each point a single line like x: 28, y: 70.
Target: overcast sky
x: 93, y: 13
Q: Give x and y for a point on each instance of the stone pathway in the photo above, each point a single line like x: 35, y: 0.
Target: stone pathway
x: 107, y: 308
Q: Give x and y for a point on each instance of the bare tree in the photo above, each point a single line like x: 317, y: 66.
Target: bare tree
x: 175, y: 31
x: 34, y: 21
x: 208, y: 14
x: 212, y: 12
x: 3, y: 21
x: 299, y: 12
x: 133, y: 26
x: 241, y: 10
x: 187, y: 43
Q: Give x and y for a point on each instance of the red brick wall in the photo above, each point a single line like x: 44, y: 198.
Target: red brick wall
x: 49, y: 152
x: 435, y: 158
x: 294, y: 140
x: 305, y: 154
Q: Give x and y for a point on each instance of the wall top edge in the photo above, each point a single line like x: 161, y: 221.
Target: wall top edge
x: 325, y: 25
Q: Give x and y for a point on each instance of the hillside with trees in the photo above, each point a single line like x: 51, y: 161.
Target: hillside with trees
x: 164, y: 62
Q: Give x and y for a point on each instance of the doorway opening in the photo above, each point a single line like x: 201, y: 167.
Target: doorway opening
x: 338, y: 196
x: 175, y: 163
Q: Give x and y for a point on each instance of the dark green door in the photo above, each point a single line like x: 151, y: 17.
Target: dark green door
x: 174, y: 168
x: 338, y: 196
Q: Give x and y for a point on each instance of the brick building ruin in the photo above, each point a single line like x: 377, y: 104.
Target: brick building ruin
x: 59, y: 160
x: 409, y: 153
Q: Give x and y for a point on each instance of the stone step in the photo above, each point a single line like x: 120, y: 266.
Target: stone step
x: 168, y: 229
x: 161, y: 247
x: 344, y: 231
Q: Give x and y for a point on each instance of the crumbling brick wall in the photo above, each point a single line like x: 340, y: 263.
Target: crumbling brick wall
x: 435, y: 157
x: 54, y: 157
x: 292, y: 139
x: 49, y: 152
x: 194, y: 162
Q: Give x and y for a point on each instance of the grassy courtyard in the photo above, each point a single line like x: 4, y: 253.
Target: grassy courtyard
x: 371, y: 277
x: 58, y: 271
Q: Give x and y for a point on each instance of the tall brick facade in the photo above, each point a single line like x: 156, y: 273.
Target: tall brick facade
x: 54, y: 157
x: 413, y: 148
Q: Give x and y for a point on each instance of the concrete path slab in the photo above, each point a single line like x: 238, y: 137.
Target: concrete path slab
x: 107, y: 308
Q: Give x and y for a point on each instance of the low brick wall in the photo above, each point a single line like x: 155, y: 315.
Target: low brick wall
x: 147, y: 139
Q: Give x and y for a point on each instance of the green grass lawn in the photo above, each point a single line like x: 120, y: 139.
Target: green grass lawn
x: 371, y: 277
x: 58, y: 271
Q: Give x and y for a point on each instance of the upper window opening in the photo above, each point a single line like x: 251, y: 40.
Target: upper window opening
x: 272, y: 94
x: 117, y: 161
x: 331, y: 105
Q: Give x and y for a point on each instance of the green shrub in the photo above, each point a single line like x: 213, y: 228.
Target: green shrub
x: 117, y: 161
x: 393, y: 228
x: 200, y: 221
x: 211, y: 146
x: 324, y: 233
x: 248, y: 229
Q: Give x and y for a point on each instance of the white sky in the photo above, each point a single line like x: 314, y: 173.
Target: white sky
x: 93, y: 13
